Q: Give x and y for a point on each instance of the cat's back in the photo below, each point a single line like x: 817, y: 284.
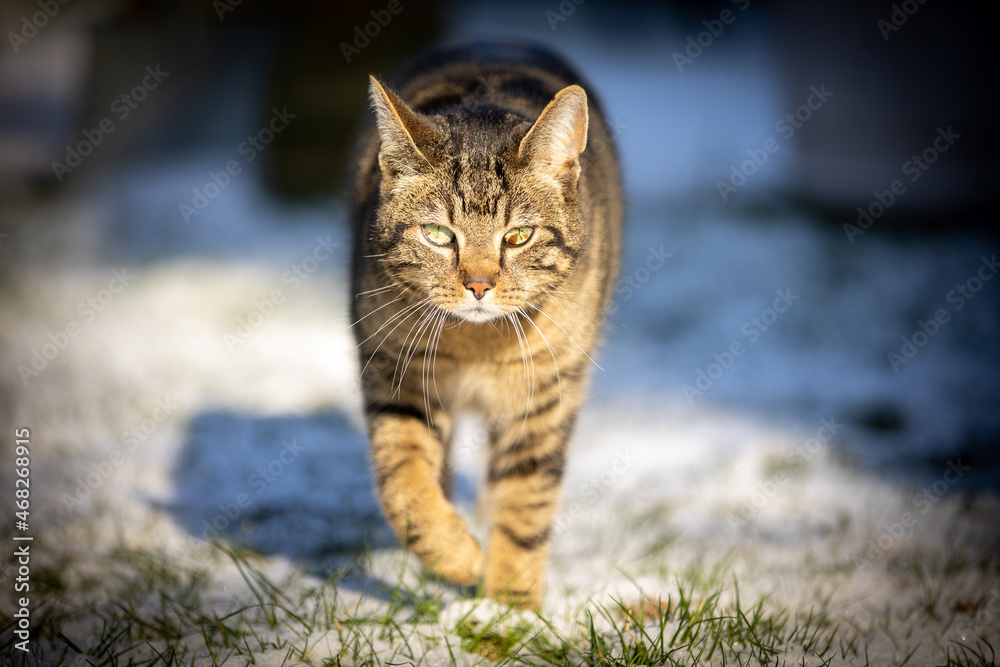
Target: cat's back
x: 509, y: 75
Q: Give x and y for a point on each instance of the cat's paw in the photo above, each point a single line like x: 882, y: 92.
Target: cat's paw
x: 461, y: 563
x: 484, y: 615
x: 529, y: 600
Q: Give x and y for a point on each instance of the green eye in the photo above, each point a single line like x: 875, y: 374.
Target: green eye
x: 518, y: 235
x: 438, y: 234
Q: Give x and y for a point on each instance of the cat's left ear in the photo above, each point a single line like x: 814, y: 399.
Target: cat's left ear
x: 402, y: 132
x: 554, y: 143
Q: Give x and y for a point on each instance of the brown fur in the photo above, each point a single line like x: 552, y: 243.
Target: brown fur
x: 481, y: 139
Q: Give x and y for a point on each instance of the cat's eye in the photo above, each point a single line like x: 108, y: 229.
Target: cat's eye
x: 518, y: 235
x: 438, y: 234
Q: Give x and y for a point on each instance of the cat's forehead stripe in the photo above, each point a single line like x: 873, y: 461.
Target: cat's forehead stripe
x: 478, y: 189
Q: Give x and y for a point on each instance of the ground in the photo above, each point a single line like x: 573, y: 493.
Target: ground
x: 201, y: 488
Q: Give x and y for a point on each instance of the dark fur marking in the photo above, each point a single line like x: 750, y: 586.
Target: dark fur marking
x: 545, y: 407
x: 572, y: 374
x: 376, y: 408
x: 398, y: 231
x: 383, y: 476
x: 439, y: 105
x: 529, y: 466
x: 531, y: 507
x: 498, y: 170
x: 559, y: 241
x: 373, y: 408
x: 528, y: 87
x: 527, y: 542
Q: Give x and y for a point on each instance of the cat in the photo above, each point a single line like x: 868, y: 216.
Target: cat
x: 487, y: 211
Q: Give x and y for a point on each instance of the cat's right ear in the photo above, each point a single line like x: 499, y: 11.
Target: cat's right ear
x: 554, y: 143
x: 401, y: 131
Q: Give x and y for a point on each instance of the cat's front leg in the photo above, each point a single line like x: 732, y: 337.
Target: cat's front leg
x: 409, y: 460
x: 524, y: 480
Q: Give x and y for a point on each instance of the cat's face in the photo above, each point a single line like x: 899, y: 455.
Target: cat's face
x: 478, y: 212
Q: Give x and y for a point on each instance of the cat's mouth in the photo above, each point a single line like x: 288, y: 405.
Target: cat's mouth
x: 478, y: 312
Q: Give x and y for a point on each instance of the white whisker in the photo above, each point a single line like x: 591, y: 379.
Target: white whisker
x: 405, y: 313
x: 433, y: 340
x: 552, y: 353
x: 376, y: 291
x: 526, y: 357
x: 391, y: 319
x: 426, y: 317
x: 372, y: 313
x: 567, y: 335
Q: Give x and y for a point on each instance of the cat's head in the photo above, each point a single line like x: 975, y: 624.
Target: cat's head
x: 479, y: 209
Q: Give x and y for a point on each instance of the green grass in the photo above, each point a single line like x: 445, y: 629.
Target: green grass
x: 156, y: 612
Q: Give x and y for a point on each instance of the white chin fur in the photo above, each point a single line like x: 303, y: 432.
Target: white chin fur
x: 477, y: 313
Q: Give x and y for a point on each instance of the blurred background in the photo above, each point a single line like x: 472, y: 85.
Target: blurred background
x: 897, y: 73
x: 841, y: 154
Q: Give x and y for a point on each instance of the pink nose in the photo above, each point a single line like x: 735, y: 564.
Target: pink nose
x: 479, y: 289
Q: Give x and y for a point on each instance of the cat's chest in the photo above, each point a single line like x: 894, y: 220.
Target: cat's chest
x: 490, y: 389
x: 484, y: 370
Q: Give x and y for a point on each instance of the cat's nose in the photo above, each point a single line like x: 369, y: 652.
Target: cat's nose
x: 478, y: 288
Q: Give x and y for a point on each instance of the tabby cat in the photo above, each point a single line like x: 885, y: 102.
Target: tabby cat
x: 487, y: 238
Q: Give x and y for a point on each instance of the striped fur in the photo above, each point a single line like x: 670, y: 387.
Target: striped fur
x: 480, y: 139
